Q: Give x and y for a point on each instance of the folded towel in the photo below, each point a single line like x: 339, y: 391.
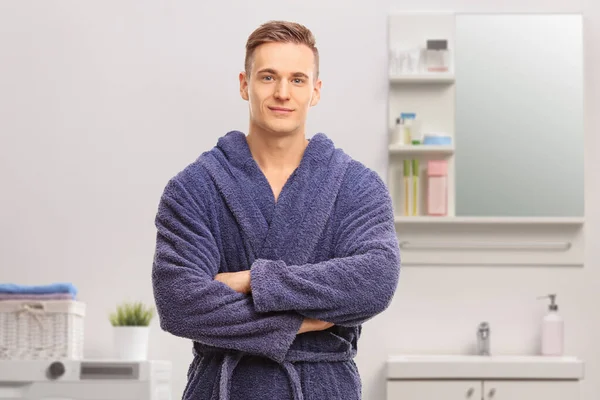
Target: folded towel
x: 34, y: 297
x: 52, y: 288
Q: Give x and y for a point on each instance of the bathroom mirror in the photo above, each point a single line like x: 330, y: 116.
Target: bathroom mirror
x: 519, y: 115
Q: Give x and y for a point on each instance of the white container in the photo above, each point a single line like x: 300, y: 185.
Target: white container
x: 397, y: 136
x: 41, y: 330
x: 405, y: 61
x: 131, y: 342
x: 552, y: 330
x: 437, y: 58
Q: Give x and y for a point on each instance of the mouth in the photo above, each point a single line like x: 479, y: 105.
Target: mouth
x: 281, y: 110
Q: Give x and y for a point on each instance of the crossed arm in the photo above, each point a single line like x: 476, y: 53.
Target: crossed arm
x: 347, y: 290
x: 192, y: 304
x: 240, y: 282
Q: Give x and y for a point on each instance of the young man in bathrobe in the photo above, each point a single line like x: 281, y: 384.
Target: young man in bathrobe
x: 272, y: 248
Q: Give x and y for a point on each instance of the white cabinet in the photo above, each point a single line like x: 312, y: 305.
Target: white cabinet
x: 434, y: 390
x: 456, y: 377
x: 482, y: 390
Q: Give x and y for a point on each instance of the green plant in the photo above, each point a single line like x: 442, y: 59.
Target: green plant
x: 132, y: 314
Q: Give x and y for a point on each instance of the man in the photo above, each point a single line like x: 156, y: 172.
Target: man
x: 273, y: 249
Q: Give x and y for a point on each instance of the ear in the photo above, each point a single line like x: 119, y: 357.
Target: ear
x: 243, y: 86
x: 316, y: 96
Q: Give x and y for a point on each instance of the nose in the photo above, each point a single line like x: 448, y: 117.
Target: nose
x: 282, y: 91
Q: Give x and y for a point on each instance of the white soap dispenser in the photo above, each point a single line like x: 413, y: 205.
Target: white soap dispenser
x: 552, y: 329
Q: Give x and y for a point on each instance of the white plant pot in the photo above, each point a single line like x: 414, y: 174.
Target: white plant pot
x: 131, y: 342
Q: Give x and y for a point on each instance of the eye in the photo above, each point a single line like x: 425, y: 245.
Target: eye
x: 299, y: 80
x: 267, y: 77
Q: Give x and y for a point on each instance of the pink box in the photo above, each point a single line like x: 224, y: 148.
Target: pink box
x: 437, y: 187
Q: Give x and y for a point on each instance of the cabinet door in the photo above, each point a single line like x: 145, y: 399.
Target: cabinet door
x: 434, y: 390
x: 528, y: 390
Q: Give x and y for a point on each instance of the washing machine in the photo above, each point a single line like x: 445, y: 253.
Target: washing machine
x: 85, y: 380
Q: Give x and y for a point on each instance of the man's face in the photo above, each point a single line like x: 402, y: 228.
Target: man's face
x: 281, y: 87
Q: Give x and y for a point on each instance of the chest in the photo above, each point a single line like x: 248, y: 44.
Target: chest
x: 292, y: 217
x: 277, y: 181
x: 276, y: 232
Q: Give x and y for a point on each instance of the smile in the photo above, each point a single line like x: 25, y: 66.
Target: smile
x: 280, y: 110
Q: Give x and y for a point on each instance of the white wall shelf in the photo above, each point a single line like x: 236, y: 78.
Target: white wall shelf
x: 475, y: 241
x: 439, y: 77
x: 431, y: 220
x: 430, y: 96
x: 420, y: 150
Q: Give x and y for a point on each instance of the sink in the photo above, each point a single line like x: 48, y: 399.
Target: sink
x: 479, y: 359
x: 448, y: 366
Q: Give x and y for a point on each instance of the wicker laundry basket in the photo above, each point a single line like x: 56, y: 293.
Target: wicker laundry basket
x: 41, y: 330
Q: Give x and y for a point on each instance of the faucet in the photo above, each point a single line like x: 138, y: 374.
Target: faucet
x: 483, y: 339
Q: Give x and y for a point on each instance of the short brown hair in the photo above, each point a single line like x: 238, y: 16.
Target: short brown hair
x: 280, y: 32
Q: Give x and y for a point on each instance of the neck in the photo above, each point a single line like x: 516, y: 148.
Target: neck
x: 277, y: 153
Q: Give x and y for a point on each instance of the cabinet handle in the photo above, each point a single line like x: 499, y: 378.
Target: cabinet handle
x: 470, y: 392
x: 492, y: 392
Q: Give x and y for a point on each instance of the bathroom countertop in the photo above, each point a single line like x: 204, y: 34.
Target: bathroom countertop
x: 414, y: 366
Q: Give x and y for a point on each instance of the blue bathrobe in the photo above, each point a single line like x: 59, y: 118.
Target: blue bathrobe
x: 326, y: 249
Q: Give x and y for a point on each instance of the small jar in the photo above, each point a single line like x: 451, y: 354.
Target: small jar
x: 437, y: 57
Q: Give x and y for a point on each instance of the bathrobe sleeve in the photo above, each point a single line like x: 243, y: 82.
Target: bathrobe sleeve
x: 190, y: 303
x: 355, y: 285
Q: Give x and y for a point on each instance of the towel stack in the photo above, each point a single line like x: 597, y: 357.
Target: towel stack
x: 54, y: 291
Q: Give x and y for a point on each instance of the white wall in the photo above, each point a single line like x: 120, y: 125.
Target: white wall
x: 100, y: 103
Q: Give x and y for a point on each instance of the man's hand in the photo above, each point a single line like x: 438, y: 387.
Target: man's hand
x: 238, y: 281
x: 310, y: 325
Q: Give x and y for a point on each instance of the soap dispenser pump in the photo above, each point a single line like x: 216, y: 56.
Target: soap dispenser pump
x: 552, y: 329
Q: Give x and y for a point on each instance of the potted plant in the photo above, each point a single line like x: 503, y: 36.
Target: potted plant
x: 131, y: 324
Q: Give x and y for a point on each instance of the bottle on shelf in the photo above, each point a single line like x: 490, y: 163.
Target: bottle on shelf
x: 406, y: 175
x: 437, y: 187
x: 398, y: 132
x: 415, y: 188
x: 437, y: 58
x: 552, y: 329
x: 410, y: 126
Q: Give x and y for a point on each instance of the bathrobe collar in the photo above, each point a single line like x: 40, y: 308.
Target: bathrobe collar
x: 305, y: 203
